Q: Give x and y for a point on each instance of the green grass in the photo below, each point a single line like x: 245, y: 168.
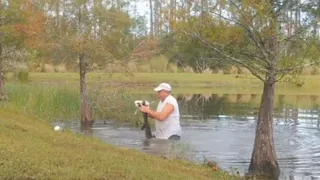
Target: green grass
x: 183, y: 82
x: 61, y: 102
x: 51, y: 102
x: 31, y: 149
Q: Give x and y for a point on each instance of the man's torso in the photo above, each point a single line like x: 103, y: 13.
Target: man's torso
x: 171, y: 125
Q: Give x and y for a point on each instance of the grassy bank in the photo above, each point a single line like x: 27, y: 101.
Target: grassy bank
x: 30, y: 149
x: 184, y: 82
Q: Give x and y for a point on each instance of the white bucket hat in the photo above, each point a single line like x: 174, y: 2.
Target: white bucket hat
x: 163, y: 86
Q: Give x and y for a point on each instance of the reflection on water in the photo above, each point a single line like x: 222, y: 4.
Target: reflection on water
x: 222, y: 128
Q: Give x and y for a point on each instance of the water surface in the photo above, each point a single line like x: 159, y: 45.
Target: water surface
x: 222, y: 128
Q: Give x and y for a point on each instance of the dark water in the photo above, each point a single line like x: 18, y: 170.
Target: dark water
x: 222, y: 128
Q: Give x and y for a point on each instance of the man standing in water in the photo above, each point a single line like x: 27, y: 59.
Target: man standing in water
x: 167, y: 115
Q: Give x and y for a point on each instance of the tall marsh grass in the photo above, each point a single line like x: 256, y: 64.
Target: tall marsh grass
x: 57, y: 102
x: 52, y: 102
x: 117, y: 105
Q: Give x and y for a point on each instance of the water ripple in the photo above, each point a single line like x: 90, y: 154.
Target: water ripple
x: 229, y: 141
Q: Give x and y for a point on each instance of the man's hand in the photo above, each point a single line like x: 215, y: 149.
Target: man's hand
x: 144, y: 109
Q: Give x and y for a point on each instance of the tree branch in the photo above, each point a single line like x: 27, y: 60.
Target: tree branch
x: 145, y: 50
x: 287, y: 38
x: 278, y: 79
x: 289, y: 70
x: 281, y: 7
x: 228, y: 57
x: 250, y: 34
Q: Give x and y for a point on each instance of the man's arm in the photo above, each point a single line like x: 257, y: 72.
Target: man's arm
x: 149, y: 115
x: 166, y: 111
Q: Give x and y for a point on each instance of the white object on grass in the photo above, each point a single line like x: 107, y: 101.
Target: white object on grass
x: 57, y: 128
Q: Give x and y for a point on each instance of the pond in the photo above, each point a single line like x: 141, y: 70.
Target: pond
x: 222, y: 128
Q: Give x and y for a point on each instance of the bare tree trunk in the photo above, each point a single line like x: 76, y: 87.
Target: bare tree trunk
x: 264, y: 159
x: 297, y: 15
x: 156, y: 17
x: 2, y: 90
x: 86, y: 128
x: 2, y: 85
x: 112, y: 3
x: 204, y: 5
x: 57, y: 9
x: 86, y: 115
x: 172, y: 15
x: 151, y: 18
